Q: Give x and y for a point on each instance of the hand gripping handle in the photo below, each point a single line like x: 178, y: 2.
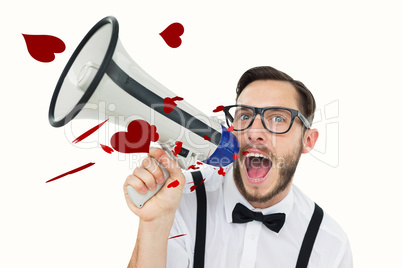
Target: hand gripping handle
x: 140, y: 199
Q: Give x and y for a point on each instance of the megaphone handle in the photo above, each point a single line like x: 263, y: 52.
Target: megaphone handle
x: 139, y: 199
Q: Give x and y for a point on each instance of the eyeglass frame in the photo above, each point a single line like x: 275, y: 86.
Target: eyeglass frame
x: 260, y: 111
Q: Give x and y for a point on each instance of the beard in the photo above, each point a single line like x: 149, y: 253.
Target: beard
x: 286, y: 173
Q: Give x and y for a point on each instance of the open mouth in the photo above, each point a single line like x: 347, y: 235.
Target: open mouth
x: 257, y: 166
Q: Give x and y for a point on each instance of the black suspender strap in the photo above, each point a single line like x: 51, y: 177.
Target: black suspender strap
x: 201, y: 227
x: 309, y: 237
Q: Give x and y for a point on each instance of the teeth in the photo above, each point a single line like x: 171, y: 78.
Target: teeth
x: 256, y: 155
x: 253, y: 179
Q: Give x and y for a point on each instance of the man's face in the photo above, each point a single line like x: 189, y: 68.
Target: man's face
x: 263, y: 180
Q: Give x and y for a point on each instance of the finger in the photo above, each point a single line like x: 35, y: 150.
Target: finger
x: 156, y: 152
x: 150, y: 164
x: 136, y: 183
x: 146, y: 177
x: 171, y: 165
x: 161, y: 156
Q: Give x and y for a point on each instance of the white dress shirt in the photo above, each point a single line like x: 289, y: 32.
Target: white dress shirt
x: 251, y: 244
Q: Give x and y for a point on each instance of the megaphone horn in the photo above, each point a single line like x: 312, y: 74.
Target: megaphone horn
x: 100, y: 70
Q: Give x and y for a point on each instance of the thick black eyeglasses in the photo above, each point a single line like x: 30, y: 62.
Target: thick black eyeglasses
x: 277, y: 120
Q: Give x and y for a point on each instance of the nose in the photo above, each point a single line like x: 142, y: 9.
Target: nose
x: 257, y: 133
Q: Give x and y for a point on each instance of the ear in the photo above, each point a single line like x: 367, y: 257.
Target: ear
x: 309, y: 140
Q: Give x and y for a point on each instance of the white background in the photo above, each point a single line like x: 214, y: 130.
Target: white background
x: 347, y: 52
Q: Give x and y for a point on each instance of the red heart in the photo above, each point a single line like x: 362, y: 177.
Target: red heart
x: 177, y: 149
x: 219, y: 108
x: 221, y: 172
x: 235, y: 156
x: 137, y: 138
x: 173, y: 184
x: 106, y: 148
x: 170, y: 103
x: 193, y: 167
x: 192, y: 188
x: 207, y: 138
x: 231, y: 129
x: 43, y: 47
x: 172, y: 34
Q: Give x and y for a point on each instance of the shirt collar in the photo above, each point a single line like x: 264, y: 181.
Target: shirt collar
x: 232, y: 196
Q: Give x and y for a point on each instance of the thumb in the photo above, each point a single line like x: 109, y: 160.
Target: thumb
x: 171, y: 165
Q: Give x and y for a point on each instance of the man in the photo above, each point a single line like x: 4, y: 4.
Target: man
x: 271, y: 121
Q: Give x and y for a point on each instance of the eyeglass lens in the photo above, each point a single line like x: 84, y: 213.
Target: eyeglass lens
x: 276, y: 120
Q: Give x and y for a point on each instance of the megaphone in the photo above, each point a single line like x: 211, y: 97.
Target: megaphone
x: 100, y: 70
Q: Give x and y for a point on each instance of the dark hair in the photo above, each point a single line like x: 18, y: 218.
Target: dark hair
x: 306, y: 99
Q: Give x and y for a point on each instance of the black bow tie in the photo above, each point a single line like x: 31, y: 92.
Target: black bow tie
x: 274, y: 222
